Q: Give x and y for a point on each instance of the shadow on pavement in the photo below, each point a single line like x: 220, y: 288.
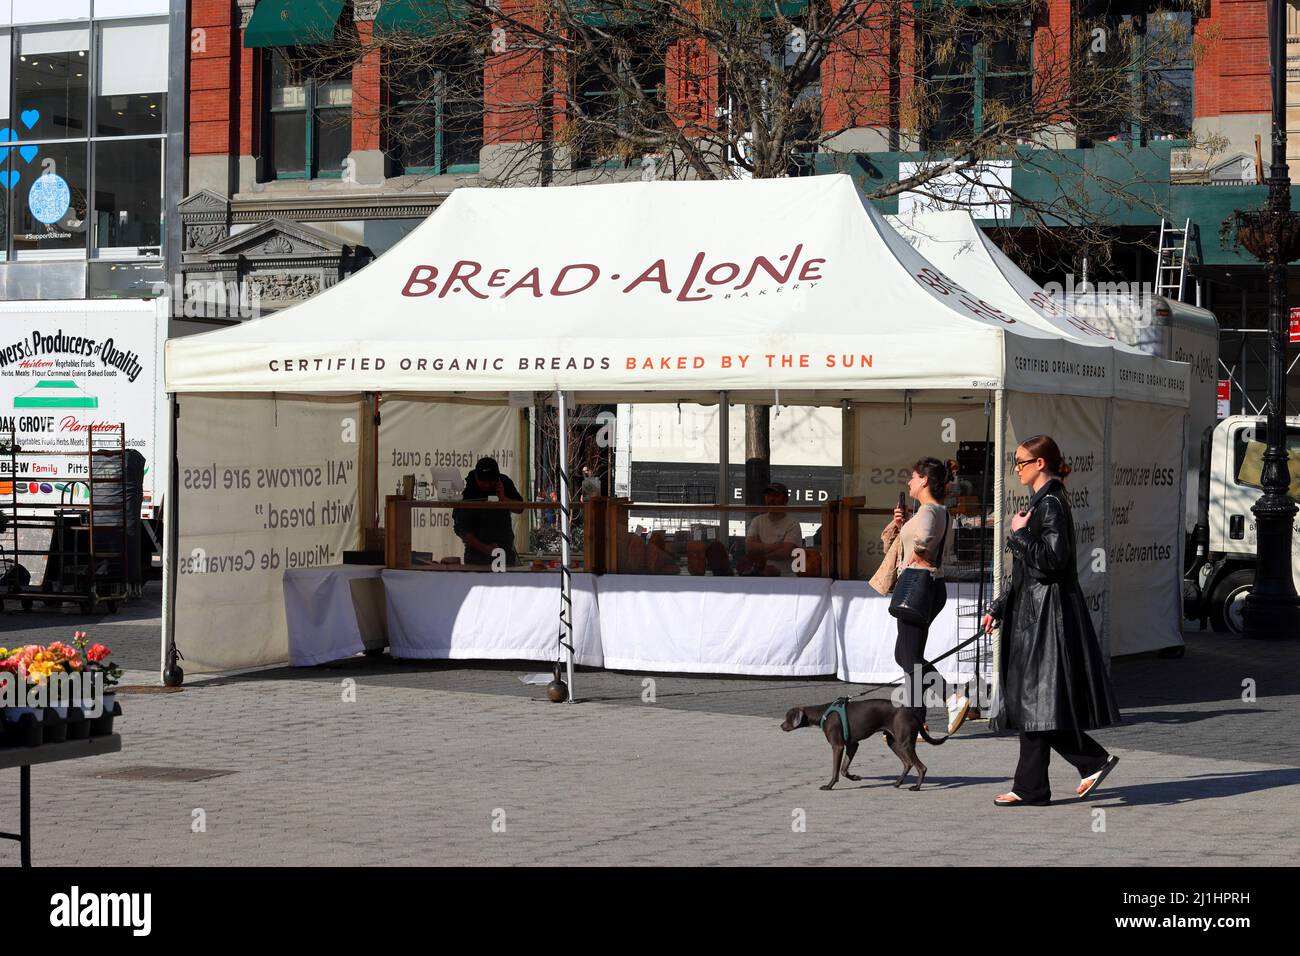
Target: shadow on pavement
x: 1188, y: 716
x: 1207, y: 786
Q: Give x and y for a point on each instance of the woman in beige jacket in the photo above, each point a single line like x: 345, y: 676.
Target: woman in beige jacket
x: 921, y: 540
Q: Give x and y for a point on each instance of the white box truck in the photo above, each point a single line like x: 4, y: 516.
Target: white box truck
x: 67, y: 366
x: 1223, y: 566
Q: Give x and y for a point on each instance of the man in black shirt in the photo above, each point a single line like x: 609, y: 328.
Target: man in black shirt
x: 484, y: 530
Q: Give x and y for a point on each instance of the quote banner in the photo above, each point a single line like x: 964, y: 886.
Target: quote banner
x: 1146, y: 492
x: 266, y: 485
x: 888, y: 440
x: 1079, y: 427
x: 439, y: 443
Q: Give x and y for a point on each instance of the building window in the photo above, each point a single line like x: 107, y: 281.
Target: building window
x: 1135, y: 73
x: 128, y: 197
x: 979, y: 72
x: 131, y: 99
x: 606, y: 111
x: 51, y: 83
x: 436, y: 121
x: 85, y: 104
x: 309, y: 115
x: 50, y: 217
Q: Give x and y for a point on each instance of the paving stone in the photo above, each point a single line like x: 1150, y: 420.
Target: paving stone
x: 414, y: 771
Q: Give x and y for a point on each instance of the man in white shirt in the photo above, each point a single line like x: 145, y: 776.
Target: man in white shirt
x: 771, y: 536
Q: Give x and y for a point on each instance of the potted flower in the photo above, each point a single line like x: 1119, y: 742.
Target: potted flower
x: 100, y: 667
x: 54, y: 665
x: 22, y: 723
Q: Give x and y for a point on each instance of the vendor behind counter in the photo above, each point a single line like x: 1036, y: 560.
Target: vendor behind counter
x: 484, y: 530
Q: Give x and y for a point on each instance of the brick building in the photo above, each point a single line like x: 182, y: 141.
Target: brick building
x: 294, y: 181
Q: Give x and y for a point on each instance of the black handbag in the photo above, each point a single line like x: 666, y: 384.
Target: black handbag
x: 913, y: 597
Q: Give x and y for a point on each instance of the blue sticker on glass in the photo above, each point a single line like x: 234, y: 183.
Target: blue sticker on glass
x: 49, y: 198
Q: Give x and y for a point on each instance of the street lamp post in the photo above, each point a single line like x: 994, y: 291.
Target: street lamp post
x: 1272, y: 235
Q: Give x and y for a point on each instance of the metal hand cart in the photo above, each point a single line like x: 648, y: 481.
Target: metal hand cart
x: 86, y: 558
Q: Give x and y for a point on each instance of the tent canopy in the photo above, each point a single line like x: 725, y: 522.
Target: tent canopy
x: 953, y: 242
x: 671, y: 288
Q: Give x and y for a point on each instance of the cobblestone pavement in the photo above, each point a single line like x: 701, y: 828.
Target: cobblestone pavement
x: 445, y: 763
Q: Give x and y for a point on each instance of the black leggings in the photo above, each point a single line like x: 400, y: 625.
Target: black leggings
x: 909, y: 654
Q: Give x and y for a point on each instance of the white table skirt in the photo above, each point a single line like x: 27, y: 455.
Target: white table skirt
x: 865, y: 633
x: 332, y: 612
x: 717, y: 625
x: 459, y: 615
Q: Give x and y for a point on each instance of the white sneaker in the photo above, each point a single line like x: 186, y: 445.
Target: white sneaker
x: 957, y: 710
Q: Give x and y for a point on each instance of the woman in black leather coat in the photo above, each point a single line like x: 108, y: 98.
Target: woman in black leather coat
x: 1053, y: 680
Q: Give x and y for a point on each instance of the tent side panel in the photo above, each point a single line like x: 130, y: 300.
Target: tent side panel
x: 887, y: 441
x: 435, y: 441
x: 265, y: 484
x: 1079, y: 427
x: 1145, y: 477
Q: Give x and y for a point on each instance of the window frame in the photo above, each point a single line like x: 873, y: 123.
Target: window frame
x: 980, y: 67
x: 310, y: 110
x: 85, y: 251
x: 120, y: 253
x: 1137, y: 134
x: 578, y: 159
x: 438, y: 103
x: 89, y: 251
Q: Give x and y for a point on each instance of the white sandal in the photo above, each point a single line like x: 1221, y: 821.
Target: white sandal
x: 1017, y: 801
x: 957, y: 713
x: 1090, y: 783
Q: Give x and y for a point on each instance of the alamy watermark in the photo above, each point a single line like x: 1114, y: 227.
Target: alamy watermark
x: 211, y: 299
x: 1093, y: 299
x: 84, y: 689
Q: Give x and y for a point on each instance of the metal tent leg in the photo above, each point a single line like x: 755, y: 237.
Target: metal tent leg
x: 25, y: 816
x: 566, y: 584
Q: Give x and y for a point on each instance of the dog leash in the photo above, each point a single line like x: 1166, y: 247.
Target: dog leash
x: 839, y: 706
x: 875, y: 687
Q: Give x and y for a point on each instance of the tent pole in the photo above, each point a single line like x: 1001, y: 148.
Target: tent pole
x: 171, y: 538
x: 724, y: 463
x: 999, y: 521
x: 566, y: 589
x: 374, y: 499
x: 846, y: 447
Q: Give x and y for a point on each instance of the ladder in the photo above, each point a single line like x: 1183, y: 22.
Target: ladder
x: 1171, y: 259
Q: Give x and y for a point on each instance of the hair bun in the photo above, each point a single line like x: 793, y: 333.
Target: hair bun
x: 1063, y: 470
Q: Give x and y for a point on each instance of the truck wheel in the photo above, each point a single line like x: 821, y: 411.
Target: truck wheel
x: 1229, y: 600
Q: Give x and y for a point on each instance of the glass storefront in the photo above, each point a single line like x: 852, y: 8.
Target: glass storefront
x: 82, y: 149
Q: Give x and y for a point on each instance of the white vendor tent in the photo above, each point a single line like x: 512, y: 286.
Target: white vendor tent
x: 1133, y: 429
x: 778, y: 291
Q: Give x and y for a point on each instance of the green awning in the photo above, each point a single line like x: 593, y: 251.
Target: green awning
x: 418, y: 17
x: 1027, y: 4
x: 765, y: 9
x: 292, y: 22
x: 596, y: 14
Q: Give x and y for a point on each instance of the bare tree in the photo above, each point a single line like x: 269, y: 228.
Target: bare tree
x: 581, y: 90
x: 565, y: 91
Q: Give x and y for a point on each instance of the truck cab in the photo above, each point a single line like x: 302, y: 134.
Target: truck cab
x: 1221, y: 575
